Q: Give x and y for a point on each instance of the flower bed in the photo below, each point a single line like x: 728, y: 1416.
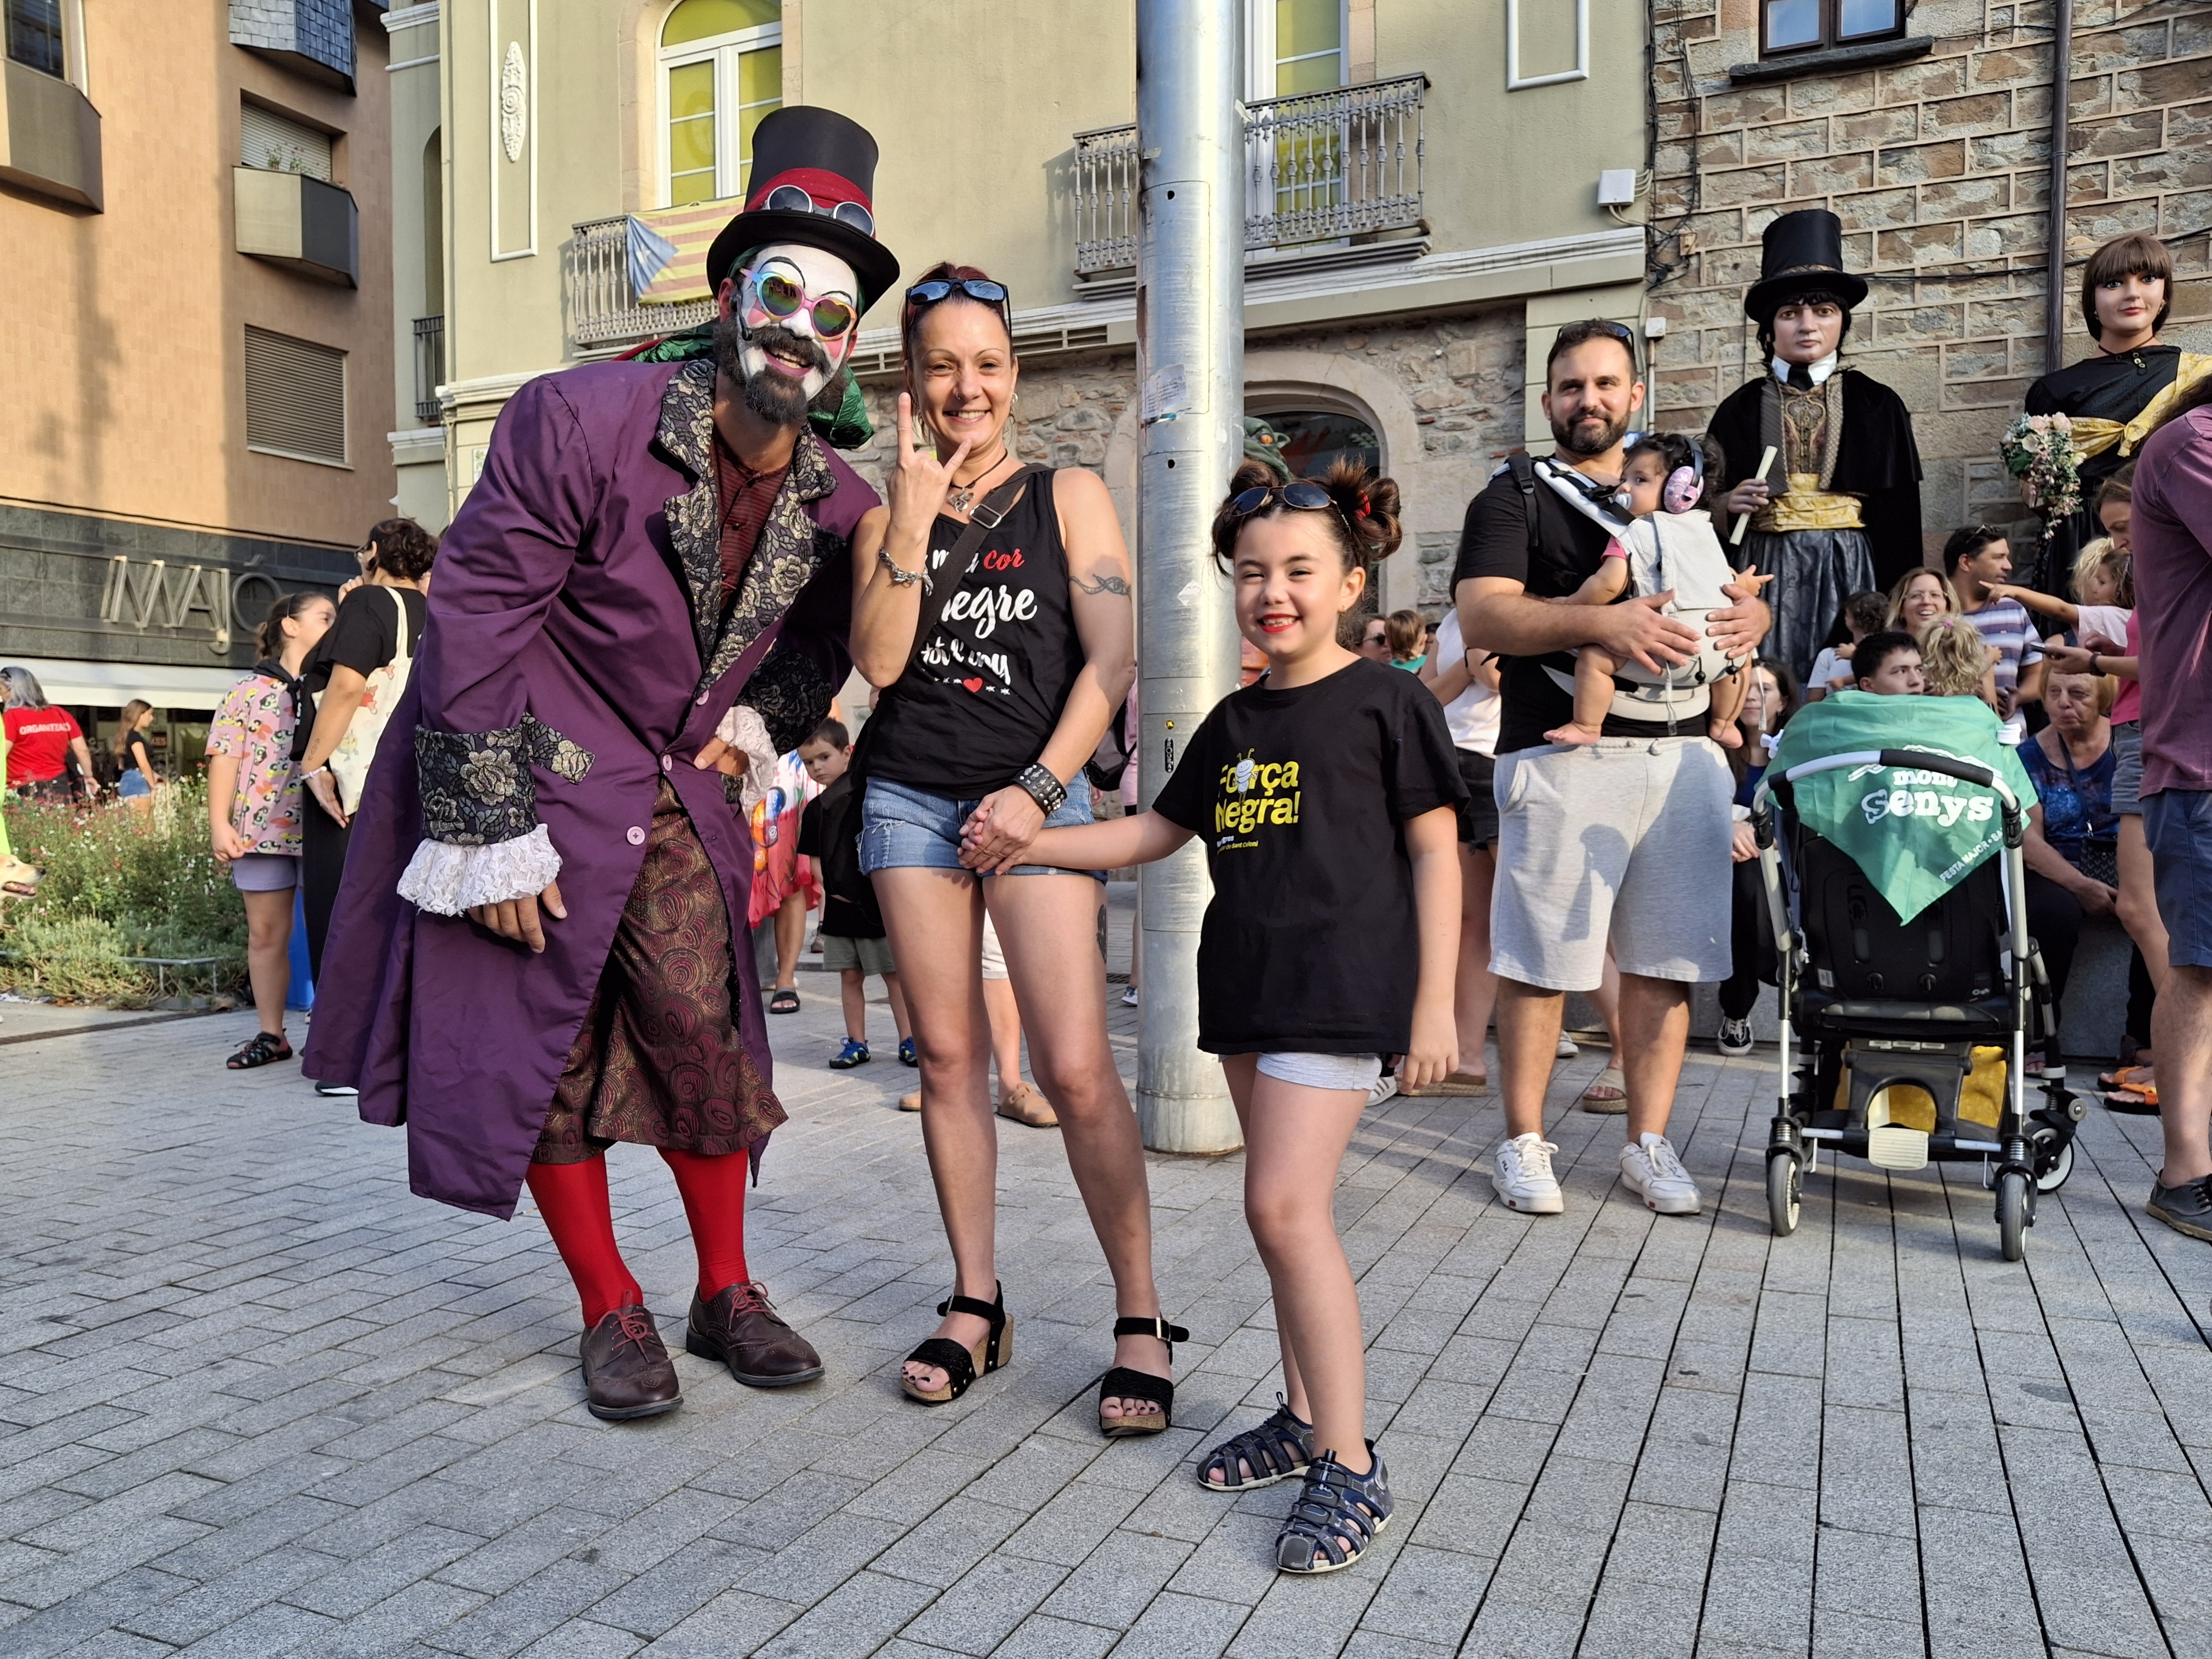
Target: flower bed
x: 117, y: 885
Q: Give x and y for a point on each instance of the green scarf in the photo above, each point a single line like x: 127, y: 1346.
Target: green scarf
x: 845, y: 427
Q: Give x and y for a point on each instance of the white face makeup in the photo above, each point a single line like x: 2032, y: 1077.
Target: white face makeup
x: 818, y: 276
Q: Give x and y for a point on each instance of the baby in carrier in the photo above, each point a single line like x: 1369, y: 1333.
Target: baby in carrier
x: 1670, y: 548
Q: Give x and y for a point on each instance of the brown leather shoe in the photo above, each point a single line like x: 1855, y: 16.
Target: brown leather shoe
x: 741, y: 1328
x: 627, y: 1371
x: 1025, y: 1105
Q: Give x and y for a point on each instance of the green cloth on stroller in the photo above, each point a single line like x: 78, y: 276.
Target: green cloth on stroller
x: 1915, y: 834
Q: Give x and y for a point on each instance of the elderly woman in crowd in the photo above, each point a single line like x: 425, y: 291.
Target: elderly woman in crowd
x: 2073, y: 864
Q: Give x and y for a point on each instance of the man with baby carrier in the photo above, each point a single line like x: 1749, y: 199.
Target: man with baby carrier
x: 1624, y: 838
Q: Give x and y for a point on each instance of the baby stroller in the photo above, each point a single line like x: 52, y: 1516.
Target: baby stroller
x: 1903, y: 1037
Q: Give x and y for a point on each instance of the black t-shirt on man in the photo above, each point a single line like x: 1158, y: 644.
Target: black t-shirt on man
x: 1494, y: 542
x: 1310, y: 944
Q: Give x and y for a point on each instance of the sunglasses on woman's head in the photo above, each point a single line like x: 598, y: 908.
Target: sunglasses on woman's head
x: 938, y: 288
x: 780, y: 297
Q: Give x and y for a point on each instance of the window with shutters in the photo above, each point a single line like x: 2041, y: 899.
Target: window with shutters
x: 279, y: 143
x: 295, y: 398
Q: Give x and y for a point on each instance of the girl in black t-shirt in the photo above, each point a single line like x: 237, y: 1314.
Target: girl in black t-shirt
x: 1327, y: 795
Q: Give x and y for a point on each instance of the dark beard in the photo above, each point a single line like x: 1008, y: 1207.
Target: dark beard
x: 775, y: 399
x: 1585, y: 446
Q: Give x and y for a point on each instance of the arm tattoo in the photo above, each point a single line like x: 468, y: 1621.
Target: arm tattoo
x: 1104, y: 582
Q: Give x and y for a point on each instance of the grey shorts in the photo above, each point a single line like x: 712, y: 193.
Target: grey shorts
x: 1627, y: 839
x: 2127, y: 768
x: 264, y: 872
x: 1339, y: 1071
x: 871, y: 955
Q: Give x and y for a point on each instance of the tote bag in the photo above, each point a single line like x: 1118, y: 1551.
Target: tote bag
x: 350, y: 760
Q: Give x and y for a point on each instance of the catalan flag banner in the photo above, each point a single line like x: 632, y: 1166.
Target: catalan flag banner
x: 668, y: 251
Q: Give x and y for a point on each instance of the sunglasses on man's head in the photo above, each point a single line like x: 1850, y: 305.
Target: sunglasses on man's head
x: 779, y: 296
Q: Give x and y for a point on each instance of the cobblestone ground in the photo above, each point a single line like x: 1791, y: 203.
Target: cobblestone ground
x: 256, y: 1399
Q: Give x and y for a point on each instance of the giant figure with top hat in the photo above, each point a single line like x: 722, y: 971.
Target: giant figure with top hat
x: 1838, y: 510
x: 540, y: 949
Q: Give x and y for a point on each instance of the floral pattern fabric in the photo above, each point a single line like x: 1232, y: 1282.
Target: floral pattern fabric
x: 476, y: 787
x: 253, y: 726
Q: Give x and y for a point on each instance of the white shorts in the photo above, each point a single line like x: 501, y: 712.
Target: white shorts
x: 1625, y: 839
x: 995, y: 959
x: 1324, y: 1070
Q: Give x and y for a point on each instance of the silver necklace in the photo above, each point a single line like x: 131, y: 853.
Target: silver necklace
x: 964, y: 497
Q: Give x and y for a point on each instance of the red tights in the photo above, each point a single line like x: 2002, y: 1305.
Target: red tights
x: 572, y: 1199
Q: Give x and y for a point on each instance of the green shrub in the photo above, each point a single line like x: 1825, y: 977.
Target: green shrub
x: 117, y: 885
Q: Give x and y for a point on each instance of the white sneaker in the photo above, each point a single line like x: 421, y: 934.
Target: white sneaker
x: 1523, y: 1175
x: 1656, y: 1174
x: 1567, y: 1050
x: 1382, y: 1088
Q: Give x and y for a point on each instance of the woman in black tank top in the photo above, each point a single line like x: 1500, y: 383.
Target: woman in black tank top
x: 971, y: 750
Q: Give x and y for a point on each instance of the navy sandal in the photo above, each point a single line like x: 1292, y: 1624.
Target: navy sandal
x: 1280, y: 1448
x: 1334, y: 1506
x: 1124, y: 1383
x: 959, y: 1363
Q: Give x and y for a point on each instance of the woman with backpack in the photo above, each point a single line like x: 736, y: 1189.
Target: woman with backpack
x: 378, y: 628
x: 991, y: 602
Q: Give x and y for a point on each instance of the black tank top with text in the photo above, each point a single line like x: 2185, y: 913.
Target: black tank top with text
x: 982, y: 701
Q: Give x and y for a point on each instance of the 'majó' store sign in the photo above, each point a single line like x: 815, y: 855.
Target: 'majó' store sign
x: 144, y: 593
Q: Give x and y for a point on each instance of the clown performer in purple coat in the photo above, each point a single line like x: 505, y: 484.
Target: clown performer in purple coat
x: 540, y: 946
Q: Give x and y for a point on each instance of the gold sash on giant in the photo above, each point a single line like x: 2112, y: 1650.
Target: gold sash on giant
x: 1808, y: 506
x: 2094, y: 436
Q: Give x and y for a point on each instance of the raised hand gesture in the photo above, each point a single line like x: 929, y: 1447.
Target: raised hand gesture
x: 920, y: 482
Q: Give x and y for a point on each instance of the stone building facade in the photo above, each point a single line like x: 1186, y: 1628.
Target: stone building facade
x: 1443, y: 394
x: 1934, y: 152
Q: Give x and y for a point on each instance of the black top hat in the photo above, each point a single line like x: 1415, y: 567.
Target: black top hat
x: 812, y: 173
x: 1801, y: 253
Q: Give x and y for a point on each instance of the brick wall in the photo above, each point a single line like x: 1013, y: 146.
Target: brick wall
x: 1939, y: 169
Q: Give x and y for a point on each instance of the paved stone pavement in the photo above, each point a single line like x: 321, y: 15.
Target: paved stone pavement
x: 255, y: 1399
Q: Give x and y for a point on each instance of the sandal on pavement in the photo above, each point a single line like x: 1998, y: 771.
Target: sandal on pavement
x: 1280, y: 1448
x: 1456, y: 1085
x: 2138, y: 1100
x: 265, y: 1049
x: 1607, y: 1094
x: 960, y: 1364
x: 785, y: 1001
x: 2127, y: 1077
x: 1124, y: 1383
x: 1336, y: 1517
x: 910, y: 1102
x: 1025, y: 1105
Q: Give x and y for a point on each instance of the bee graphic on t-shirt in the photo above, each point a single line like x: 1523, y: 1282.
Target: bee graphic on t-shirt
x: 1254, y: 794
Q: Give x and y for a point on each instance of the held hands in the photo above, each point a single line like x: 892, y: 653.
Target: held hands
x: 517, y: 919
x: 920, y: 482
x: 999, y: 830
x: 1435, y: 1051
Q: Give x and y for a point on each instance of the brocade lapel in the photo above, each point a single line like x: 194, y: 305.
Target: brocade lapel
x: 791, y: 547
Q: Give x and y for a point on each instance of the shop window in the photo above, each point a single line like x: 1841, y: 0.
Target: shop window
x: 1788, y: 26
x: 721, y: 70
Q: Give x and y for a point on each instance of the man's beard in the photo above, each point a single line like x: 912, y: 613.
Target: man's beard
x: 1576, y: 438
x: 776, y: 398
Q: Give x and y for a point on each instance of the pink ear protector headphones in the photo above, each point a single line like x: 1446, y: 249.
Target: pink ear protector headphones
x: 1686, y: 483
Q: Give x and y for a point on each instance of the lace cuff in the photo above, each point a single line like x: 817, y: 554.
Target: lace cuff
x: 745, y: 730
x: 476, y: 787
x: 449, y: 880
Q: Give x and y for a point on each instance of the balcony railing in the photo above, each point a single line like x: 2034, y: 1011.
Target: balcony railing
x: 1319, y: 167
x: 429, y: 367
x: 603, y: 309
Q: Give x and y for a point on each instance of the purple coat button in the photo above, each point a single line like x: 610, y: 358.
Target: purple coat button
x: 668, y: 762
x: 636, y: 835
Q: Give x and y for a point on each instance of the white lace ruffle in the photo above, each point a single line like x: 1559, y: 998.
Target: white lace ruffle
x: 743, y: 729
x: 450, y: 881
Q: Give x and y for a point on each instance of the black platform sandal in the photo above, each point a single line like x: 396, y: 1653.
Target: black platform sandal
x: 265, y: 1049
x: 1280, y: 1448
x: 1123, y: 1384
x: 960, y: 1364
x: 1336, y: 1507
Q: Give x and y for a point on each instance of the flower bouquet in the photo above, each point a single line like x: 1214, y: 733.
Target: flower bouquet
x: 2038, y: 450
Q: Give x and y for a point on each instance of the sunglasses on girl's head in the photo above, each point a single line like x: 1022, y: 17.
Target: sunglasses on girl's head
x: 779, y: 296
x: 790, y: 198
x: 1305, y: 496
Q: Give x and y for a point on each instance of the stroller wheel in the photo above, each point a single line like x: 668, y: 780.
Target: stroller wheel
x: 1785, y: 1184
x: 2013, y: 1202
x: 2052, y: 1179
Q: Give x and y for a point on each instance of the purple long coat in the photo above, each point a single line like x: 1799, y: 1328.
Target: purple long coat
x: 580, y: 583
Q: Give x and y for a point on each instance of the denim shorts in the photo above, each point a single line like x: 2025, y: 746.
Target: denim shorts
x: 132, y: 785
x: 907, y: 828
x: 2178, y: 826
